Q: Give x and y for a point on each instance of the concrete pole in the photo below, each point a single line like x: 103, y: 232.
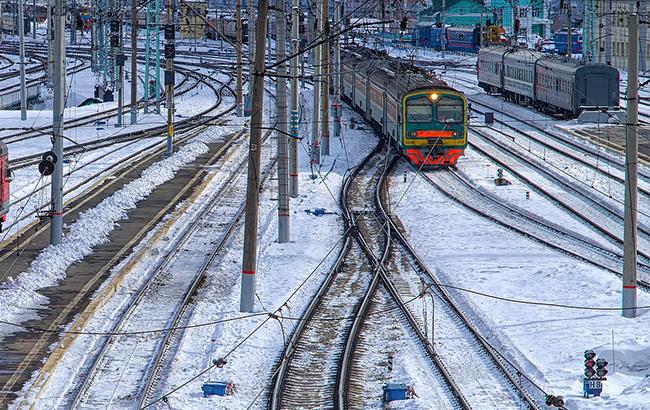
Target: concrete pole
x: 284, y: 220
x: 631, y: 169
x: 643, y: 29
x: 239, y: 92
x: 315, y: 138
x: 249, y: 258
x: 73, y: 23
x: 169, y: 80
x: 325, y: 83
x: 336, y: 105
x: 295, y: 130
x: 56, y: 226
x: 21, y: 34
x: 134, y: 62
x: 251, y: 57
x: 120, y: 60
x: 569, y: 46
x: 34, y: 19
x: 443, y: 41
x: 50, y: 44
x: 608, y: 32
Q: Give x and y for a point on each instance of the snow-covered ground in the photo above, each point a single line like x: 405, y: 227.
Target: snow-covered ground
x: 464, y: 249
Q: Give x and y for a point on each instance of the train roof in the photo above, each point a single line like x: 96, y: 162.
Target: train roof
x: 550, y: 61
x: 395, y: 74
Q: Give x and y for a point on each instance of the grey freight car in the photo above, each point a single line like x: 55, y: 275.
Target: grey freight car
x: 549, y: 83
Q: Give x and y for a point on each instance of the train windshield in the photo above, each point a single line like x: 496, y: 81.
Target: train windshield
x: 449, y: 110
x: 418, y: 110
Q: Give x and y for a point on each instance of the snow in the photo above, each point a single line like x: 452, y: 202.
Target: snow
x: 464, y: 250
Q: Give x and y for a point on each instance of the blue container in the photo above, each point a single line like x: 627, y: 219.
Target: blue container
x: 211, y: 388
x: 395, y: 391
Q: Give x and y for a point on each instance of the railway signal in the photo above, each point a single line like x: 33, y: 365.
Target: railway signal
x: 590, y: 363
x: 601, y: 371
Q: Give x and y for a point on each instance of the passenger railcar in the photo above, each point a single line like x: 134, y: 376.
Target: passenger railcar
x: 549, y: 83
x: 425, y: 118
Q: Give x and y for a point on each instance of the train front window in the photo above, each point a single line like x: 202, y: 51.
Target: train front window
x: 418, y: 110
x: 449, y: 110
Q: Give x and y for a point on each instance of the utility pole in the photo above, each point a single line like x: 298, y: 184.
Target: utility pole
x: 443, y: 41
x: 631, y: 169
x: 315, y: 138
x: 284, y: 220
x: 569, y: 46
x: 34, y: 19
x: 293, y: 142
x: 481, y: 37
x: 56, y: 225
x: 120, y: 59
x: 73, y: 23
x: 336, y: 105
x: 50, y: 45
x: 251, y: 57
x: 325, y: 82
x: 170, y: 51
x: 21, y: 34
x: 249, y: 262
x: 239, y: 92
x: 134, y: 62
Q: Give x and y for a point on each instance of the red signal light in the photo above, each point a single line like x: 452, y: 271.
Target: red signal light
x: 589, y: 364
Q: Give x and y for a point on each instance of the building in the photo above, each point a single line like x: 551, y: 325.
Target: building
x: 459, y: 13
x: 192, y: 25
x: 533, y: 15
x: 610, y: 40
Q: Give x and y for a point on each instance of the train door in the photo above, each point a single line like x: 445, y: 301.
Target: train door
x: 594, y: 96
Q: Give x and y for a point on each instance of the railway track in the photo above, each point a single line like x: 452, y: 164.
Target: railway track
x: 603, y: 216
x: 31, y: 346
x: 161, y: 301
x: 455, y: 185
x: 200, y: 121
x: 315, y: 369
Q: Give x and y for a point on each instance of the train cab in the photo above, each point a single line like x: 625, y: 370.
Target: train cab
x: 435, y: 126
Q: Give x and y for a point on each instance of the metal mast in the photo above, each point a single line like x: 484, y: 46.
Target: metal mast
x: 239, y: 96
x: 284, y: 220
x: 315, y: 138
x: 325, y: 83
x: 152, y: 56
x: 134, y: 62
x: 249, y: 262
x: 21, y: 34
x: 336, y: 105
x: 631, y: 169
x: 56, y: 226
x: 170, y: 50
x: 295, y: 130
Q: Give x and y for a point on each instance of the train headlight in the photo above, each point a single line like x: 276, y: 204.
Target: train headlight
x: 434, y: 96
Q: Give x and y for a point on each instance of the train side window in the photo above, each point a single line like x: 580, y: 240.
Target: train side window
x: 418, y: 110
x: 449, y: 110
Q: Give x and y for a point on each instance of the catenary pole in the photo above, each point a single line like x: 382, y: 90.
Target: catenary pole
x: 73, y: 23
x: 34, y: 19
x: 119, y: 60
x: 50, y: 45
x: 631, y: 168
x: 325, y: 81
x: 134, y: 62
x: 315, y: 138
x: 170, y: 34
x: 56, y: 226
x: 251, y: 54
x: 336, y: 105
x: 249, y: 258
x: 239, y: 92
x: 21, y: 34
x: 284, y: 220
x: 295, y: 130
x: 569, y: 46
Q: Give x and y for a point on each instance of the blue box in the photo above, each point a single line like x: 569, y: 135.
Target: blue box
x: 395, y: 391
x: 591, y: 387
x: 218, y: 388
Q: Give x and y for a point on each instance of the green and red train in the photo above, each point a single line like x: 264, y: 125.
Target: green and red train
x: 426, y: 119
